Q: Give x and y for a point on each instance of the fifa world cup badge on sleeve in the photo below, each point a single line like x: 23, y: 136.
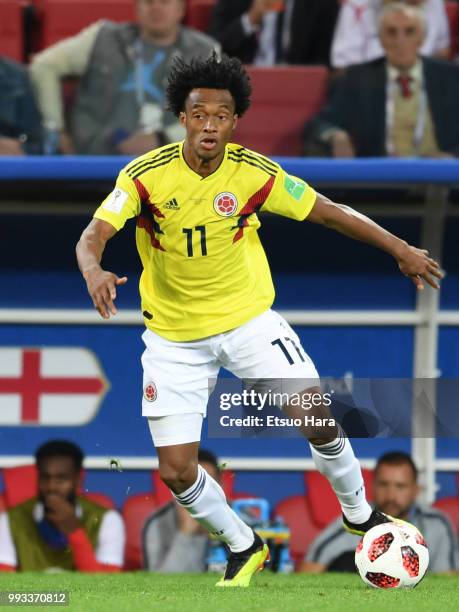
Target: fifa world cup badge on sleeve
x: 116, y: 201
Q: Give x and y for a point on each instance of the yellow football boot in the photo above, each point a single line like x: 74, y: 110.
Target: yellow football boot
x: 243, y: 565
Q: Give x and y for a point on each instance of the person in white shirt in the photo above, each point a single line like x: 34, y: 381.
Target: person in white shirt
x: 356, y: 38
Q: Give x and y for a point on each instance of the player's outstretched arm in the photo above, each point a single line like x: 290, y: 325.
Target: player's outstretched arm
x: 101, y: 284
x: 413, y: 262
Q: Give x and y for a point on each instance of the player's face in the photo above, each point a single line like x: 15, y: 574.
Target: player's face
x: 209, y: 120
x: 160, y: 17
x: 57, y: 476
x: 401, y: 35
x: 394, y: 489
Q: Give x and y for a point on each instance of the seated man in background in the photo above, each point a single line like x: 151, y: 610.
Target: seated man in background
x: 356, y: 34
x: 267, y: 32
x: 59, y: 528
x: 395, y: 490
x: 120, y: 102
x: 20, y: 123
x: 403, y: 105
x: 173, y: 541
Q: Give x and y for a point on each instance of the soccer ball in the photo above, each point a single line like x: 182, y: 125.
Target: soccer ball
x: 392, y: 555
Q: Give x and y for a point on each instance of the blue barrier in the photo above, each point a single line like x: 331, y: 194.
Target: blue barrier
x: 364, y: 171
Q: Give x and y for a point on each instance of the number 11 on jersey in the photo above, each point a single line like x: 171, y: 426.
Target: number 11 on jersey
x: 189, y: 239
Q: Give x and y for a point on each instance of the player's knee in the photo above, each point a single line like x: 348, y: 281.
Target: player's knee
x: 178, y: 477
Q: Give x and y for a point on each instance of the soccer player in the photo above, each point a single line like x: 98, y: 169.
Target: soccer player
x: 206, y: 292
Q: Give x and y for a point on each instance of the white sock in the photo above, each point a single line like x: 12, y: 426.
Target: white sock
x: 337, y: 462
x: 206, y: 502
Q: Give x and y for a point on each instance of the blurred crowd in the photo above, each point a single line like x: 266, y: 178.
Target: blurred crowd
x: 51, y: 522
x: 102, y: 90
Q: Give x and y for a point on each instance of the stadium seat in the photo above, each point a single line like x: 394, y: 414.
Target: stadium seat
x: 296, y: 513
x: 100, y: 498
x: 11, y: 33
x: 307, y: 515
x: 20, y: 484
x: 450, y: 507
x: 198, y: 14
x: 136, y: 509
x: 161, y: 492
x: 452, y: 10
x: 323, y: 504
x: 62, y: 18
x: 283, y: 99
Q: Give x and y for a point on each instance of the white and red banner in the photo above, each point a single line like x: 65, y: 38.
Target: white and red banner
x: 49, y: 386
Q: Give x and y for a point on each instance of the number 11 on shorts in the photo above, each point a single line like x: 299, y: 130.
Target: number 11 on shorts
x: 278, y: 342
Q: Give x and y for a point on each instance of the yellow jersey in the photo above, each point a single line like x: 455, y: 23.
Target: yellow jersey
x: 204, y: 268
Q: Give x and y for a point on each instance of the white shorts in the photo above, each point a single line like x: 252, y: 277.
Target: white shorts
x: 176, y: 375
x: 176, y: 428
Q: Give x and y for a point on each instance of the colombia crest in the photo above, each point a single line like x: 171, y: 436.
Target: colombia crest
x: 149, y: 392
x: 225, y: 204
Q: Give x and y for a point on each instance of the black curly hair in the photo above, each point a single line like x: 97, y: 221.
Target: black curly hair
x: 213, y: 73
x: 60, y: 448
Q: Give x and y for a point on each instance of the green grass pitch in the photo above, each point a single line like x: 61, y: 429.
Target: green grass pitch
x: 138, y: 592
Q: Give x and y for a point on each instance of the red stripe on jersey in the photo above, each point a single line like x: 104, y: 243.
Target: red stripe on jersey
x: 253, y: 205
x: 147, y: 225
x: 145, y: 197
x: 142, y: 221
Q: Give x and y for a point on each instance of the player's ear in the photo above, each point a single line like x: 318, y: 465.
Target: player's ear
x: 182, y: 119
x: 235, y: 120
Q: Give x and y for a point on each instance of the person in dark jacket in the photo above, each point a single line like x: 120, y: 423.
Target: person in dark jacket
x: 20, y: 124
x: 395, y: 106
x: 267, y: 32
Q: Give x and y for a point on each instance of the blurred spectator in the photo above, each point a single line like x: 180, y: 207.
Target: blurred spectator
x: 173, y: 541
x: 394, y: 106
x: 356, y: 35
x: 395, y: 490
x: 20, y: 124
x: 267, y: 32
x: 119, y: 106
x: 59, y: 528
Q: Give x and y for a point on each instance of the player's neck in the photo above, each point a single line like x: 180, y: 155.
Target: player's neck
x: 201, y: 166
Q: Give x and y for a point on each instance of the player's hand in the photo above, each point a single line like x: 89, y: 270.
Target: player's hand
x: 138, y: 144
x: 341, y: 145
x: 61, y: 513
x: 66, y: 146
x: 102, y: 289
x: 417, y: 264
x: 442, y: 155
x: 10, y: 146
x: 260, y: 7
